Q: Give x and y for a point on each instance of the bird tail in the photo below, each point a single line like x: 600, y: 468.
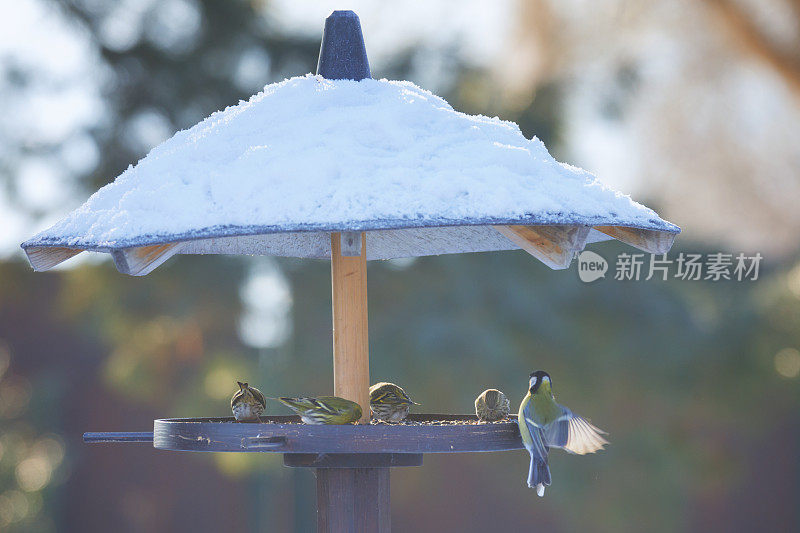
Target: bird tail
x: 538, y: 475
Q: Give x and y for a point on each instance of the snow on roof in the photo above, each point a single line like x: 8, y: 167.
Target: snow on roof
x: 315, y: 155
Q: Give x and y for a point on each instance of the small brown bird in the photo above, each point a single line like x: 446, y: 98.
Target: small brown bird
x: 492, y: 405
x: 248, y: 403
x: 389, y: 402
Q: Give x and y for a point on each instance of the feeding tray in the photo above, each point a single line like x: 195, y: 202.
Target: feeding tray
x: 419, y: 433
x: 377, y: 444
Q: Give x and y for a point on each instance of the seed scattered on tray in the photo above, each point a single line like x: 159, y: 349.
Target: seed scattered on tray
x: 439, y: 423
x: 459, y: 422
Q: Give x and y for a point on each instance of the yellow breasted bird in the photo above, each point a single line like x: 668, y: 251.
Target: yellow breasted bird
x: 324, y: 409
x: 389, y: 402
x: 247, y: 403
x: 492, y: 405
x: 544, y: 424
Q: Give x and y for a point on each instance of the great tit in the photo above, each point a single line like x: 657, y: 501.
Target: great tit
x: 544, y: 424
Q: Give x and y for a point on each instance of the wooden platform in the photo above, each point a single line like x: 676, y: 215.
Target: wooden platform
x: 285, y: 434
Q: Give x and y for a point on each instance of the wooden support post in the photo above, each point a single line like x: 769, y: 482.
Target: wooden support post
x: 349, y: 499
x: 353, y: 500
x: 350, y: 337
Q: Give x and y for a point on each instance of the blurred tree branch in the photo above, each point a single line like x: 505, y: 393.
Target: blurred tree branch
x: 756, y: 42
x: 536, y: 56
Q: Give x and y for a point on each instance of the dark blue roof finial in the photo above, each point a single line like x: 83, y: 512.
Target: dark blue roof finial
x: 342, y: 54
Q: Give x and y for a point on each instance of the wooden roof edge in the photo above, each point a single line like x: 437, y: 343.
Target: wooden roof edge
x: 43, y: 258
x: 554, y: 245
x: 142, y: 260
x: 647, y: 240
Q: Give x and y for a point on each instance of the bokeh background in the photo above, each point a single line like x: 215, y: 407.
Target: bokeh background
x: 693, y: 107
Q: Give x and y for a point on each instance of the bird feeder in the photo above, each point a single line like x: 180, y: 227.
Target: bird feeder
x: 342, y: 167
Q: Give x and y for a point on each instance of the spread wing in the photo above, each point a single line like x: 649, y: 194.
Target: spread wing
x: 536, y: 446
x: 574, y: 434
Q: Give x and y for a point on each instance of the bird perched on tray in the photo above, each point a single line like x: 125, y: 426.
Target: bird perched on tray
x: 324, y: 409
x: 544, y: 424
x: 389, y: 402
x: 492, y: 405
x: 247, y: 403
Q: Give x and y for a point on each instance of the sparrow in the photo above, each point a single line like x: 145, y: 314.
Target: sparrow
x: 492, y: 405
x: 247, y: 403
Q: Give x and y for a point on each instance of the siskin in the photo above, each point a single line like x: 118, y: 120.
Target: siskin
x: 389, y: 402
x: 492, y: 405
x: 324, y: 409
x: 544, y: 424
x: 248, y: 403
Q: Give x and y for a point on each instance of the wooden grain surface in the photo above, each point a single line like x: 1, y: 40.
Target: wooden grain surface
x: 46, y: 257
x: 353, y: 500
x: 350, y: 327
x: 143, y: 260
x: 654, y: 242
x: 552, y: 245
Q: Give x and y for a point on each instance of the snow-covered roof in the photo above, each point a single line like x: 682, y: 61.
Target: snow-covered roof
x: 309, y: 156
